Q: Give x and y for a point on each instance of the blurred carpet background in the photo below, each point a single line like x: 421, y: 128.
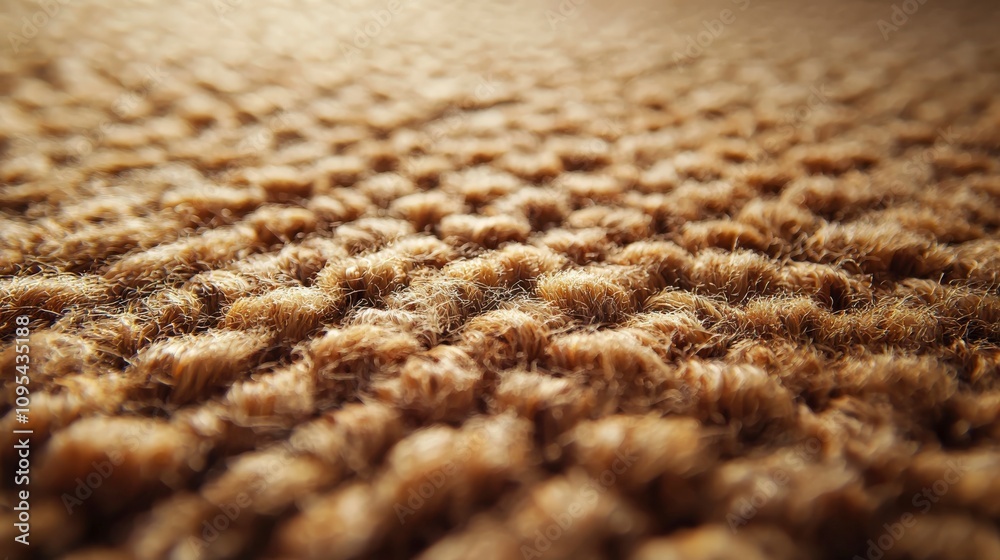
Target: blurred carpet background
x: 484, y: 280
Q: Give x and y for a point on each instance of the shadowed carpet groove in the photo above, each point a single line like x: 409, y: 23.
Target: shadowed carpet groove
x: 481, y: 280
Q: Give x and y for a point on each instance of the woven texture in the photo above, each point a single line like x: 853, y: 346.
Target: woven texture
x: 514, y: 280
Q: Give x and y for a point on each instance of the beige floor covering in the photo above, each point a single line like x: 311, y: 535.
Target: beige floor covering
x: 502, y: 280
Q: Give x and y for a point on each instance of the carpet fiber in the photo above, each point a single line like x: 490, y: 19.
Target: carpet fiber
x: 500, y: 280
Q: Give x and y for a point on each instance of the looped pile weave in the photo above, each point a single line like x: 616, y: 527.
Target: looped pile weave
x: 577, y: 279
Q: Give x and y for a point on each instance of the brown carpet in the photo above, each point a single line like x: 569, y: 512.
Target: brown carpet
x: 500, y: 280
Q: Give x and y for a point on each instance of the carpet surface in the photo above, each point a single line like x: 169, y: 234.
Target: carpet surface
x: 569, y: 279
